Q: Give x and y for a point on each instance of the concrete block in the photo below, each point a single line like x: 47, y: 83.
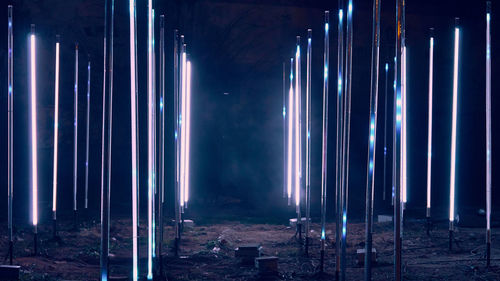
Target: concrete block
x: 188, y: 223
x: 248, y: 252
x: 384, y: 218
x: 360, y: 254
x: 9, y: 272
x: 267, y: 265
x: 293, y: 222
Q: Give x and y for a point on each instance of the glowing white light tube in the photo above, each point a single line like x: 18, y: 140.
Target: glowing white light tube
x: 290, y: 135
x: 133, y: 112
x: 183, y: 127
x: 403, y: 131
x: 297, y: 128
x: 187, y: 130
x: 75, y: 132
x: 429, y: 133
x: 34, y: 147
x: 454, y: 128
x: 150, y: 140
x: 56, y: 131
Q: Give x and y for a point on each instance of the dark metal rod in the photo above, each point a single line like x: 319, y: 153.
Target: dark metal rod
x: 176, y: 138
x: 162, y: 140
x: 339, y: 140
x: 372, y: 132
x: 10, y: 82
x: 488, y: 134
x: 75, y: 135
x: 384, y: 185
x: 324, y: 141
x: 308, y: 139
x: 107, y: 118
x: 346, y: 137
x: 87, y: 139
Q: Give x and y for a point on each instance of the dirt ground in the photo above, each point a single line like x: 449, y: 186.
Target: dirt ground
x: 207, y: 252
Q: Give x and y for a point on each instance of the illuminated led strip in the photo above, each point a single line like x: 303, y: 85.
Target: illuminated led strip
x: 56, y: 131
x: 187, y: 130
x: 454, y: 127
x: 182, y: 123
x: 150, y: 140
x: 34, y: 147
x: 133, y: 112
x: 290, y: 135
x: 297, y: 128
x: 429, y: 134
x: 324, y: 160
x: 403, y: 130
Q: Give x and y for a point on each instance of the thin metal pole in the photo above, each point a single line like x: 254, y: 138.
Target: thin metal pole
x: 397, y: 143
x: 429, y: 132
x: 488, y: 134
x: 372, y: 132
x: 75, y: 138
x: 176, y: 141
x: 87, y: 139
x: 162, y: 139
x: 346, y: 141
x: 107, y: 123
x: 454, y: 132
x: 56, y: 139
x: 134, y: 130
x: 384, y: 186
x: 10, y: 82
x: 339, y: 140
x: 324, y: 147
x: 34, y: 146
x: 308, y: 138
x: 284, y: 134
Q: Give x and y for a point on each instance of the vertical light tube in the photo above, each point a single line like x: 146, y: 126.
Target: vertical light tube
x: 384, y: 185
x: 291, y: 107
x: 56, y: 136
x: 339, y: 140
x: 429, y: 131
x: 488, y: 134
x: 454, y: 130
x: 75, y: 133
x: 151, y: 106
x: 284, y: 135
x: 155, y: 140
x: 324, y: 139
x: 10, y: 82
x: 394, y: 115
x: 372, y: 132
x: 187, y: 130
x: 397, y: 141
x: 403, y: 127
x: 308, y: 136
x: 346, y: 140
x: 182, y: 124
x: 298, y: 143
x: 134, y: 148
x: 34, y: 146
x: 107, y: 129
x: 87, y: 139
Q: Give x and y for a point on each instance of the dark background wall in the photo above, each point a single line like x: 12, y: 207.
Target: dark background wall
x: 238, y: 47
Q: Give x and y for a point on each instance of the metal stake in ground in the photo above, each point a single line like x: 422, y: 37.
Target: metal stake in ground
x: 107, y: 122
x: 75, y: 139
x: 372, y: 132
x: 324, y: 140
x: 308, y: 139
x: 10, y: 82
x: 161, y: 165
